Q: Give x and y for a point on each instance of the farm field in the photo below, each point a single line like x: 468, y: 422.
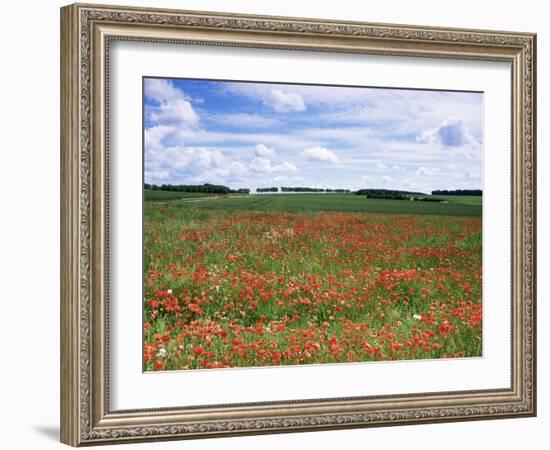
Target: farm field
x: 461, y: 199
x: 268, y: 280
x: 162, y: 196
x: 304, y: 203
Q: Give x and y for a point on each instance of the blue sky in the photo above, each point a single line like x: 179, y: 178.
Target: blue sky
x: 244, y: 134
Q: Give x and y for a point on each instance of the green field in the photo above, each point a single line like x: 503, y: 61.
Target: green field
x: 162, y: 196
x: 303, y: 203
x: 275, y: 279
x: 461, y: 199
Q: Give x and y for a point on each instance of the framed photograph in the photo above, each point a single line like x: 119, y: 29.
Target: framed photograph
x: 276, y: 224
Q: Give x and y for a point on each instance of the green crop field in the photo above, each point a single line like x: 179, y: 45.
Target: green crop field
x: 163, y: 196
x: 302, y: 203
x: 274, y: 279
x: 461, y: 199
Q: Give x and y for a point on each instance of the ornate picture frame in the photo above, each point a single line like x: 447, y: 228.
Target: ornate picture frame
x: 87, y: 31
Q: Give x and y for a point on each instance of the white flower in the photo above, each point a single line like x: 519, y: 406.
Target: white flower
x: 162, y: 352
x: 169, y: 291
x: 417, y: 317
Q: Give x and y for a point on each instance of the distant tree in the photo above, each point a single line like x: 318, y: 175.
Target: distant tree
x: 429, y: 199
x: 268, y: 189
x: 473, y: 192
x: 389, y: 194
x: 204, y: 188
x: 301, y: 189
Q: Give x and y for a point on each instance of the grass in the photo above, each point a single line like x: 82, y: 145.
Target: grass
x: 309, y: 278
x: 461, y: 199
x: 160, y: 196
x: 306, y: 203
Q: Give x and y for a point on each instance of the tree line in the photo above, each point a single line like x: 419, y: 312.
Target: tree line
x: 392, y: 194
x: 476, y: 192
x: 308, y: 189
x: 202, y: 188
x: 388, y: 194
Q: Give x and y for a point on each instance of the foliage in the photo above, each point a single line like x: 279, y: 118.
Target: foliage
x: 160, y: 196
x: 225, y: 287
x: 203, y: 188
x: 303, y: 203
x: 475, y: 192
x: 390, y: 194
x: 309, y: 189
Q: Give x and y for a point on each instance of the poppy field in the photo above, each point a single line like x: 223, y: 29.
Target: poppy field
x: 231, y: 285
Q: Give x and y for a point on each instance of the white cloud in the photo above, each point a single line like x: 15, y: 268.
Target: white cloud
x: 285, y: 101
x: 264, y: 150
x: 471, y: 176
x: 286, y: 178
x: 234, y: 169
x: 239, y: 120
x: 155, y: 135
x: 161, y: 90
x: 320, y: 154
x: 191, y: 158
x: 261, y: 164
x: 156, y: 176
x: 172, y: 109
x: 191, y: 165
x: 370, y: 133
x: 426, y: 171
x: 176, y: 112
x: 285, y: 167
x: 449, y: 133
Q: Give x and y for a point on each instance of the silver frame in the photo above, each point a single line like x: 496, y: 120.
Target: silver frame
x: 86, y: 33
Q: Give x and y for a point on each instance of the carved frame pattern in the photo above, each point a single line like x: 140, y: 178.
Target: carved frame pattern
x: 85, y: 416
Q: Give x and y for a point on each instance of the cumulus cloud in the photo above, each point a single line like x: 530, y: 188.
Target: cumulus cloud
x: 171, y: 108
x: 449, y: 133
x: 320, y: 154
x: 189, y: 158
x: 156, y: 176
x: 161, y: 90
x: 246, y: 134
x: 471, y: 176
x: 426, y: 171
x: 264, y: 150
x: 154, y: 137
x: 261, y: 164
x: 177, y: 112
x: 285, y: 101
x: 232, y: 170
x: 285, y: 167
x: 191, y: 164
x: 238, y: 120
x: 286, y: 178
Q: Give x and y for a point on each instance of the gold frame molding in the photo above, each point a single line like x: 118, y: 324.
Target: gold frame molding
x: 86, y: 32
